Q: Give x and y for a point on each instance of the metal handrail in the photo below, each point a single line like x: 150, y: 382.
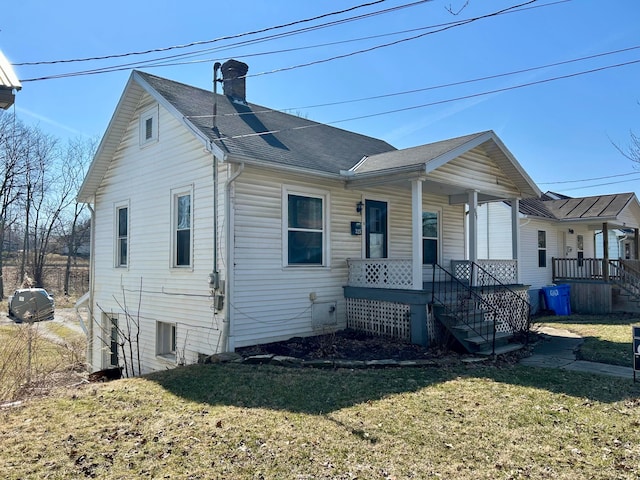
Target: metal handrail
x: 524, y: 310
x: 453, y: 291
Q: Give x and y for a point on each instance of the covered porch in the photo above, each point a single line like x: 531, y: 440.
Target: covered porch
x: 432, y: 293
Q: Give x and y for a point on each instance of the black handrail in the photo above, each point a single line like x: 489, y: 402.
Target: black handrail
x: 521, y: 308
x: 449, y: 291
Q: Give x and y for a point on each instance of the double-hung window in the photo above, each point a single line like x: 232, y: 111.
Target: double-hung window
x: 305, y: 228
x: 430, y: 235
x: 122, y: 236
x: 542, y: 248
x: 182, y: 228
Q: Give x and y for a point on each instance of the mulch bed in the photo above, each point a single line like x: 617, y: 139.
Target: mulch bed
x: 345, y: 345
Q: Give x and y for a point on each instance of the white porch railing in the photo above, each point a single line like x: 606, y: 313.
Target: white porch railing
x: 380, y: 272
x: 397, y: 272
x: 506, y: 271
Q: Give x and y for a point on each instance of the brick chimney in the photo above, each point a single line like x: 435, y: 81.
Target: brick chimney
x: 233, y: 81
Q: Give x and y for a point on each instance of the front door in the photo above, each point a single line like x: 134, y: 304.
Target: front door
x: 376, y: 229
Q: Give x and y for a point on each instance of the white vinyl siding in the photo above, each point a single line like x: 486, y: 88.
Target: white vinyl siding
x: 150, y: 289
x: 274, y: 302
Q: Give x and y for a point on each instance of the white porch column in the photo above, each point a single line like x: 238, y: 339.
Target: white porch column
x: 473, y: 225
x: 416, y: 233
x: 515, y: 233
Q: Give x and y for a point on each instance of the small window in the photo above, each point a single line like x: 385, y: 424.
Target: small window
x: 580, y: 248
x: 149, y: 126
x: 110, y: 340
x: 122, y: 236
x: 430, y: 231
x: 542, y: 248
x: 182, y: 226
x: 305, y: 229
x: 166, y: 339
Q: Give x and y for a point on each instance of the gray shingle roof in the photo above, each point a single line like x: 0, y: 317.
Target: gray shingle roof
x: 293, y: 141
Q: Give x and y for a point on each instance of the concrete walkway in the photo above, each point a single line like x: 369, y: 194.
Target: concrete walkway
x: 557, y: 349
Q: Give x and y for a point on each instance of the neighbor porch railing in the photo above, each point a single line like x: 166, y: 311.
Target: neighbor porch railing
x: 564, y: 269
x: 503, y: 271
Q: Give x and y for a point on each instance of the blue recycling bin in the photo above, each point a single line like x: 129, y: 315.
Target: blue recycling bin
x: 557, y: 298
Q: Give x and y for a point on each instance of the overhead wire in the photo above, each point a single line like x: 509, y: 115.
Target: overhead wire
x: 429, y: 88
x: 512, y: 9
x: 438, y: 102
x: 203, y: 42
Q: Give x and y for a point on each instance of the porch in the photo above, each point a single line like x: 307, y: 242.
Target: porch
x: 600, y: 285
x: 480, y: 304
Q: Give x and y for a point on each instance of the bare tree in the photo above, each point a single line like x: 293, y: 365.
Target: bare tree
x: 74, y: 224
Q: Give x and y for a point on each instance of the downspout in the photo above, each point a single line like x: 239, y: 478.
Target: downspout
x: 229, y: 325
x: 92, y: 269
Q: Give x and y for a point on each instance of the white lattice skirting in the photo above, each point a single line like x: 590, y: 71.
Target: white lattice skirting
x: 388, y: 319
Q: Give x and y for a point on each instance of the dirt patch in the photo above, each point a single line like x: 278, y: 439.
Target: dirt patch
x: 345, y: 345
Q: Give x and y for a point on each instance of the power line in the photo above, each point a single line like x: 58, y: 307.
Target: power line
x: 447, y: 27
x: 433, y: 87
x: 203, y: 42
x: 599, y: 185
x: 591, y: 179
x: 439, y: 102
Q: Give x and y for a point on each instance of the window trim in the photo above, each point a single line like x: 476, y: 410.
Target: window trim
x: 109, y: 321
x: 175, y: 194
x: 438, y: 239
x: 149, y: 114
x: 166, y: 340
x: 542, y: 249
x: 116, y: 229
x: 325, y: 197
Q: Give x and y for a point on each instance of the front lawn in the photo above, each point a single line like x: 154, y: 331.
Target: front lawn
x: 230, y: 421
x: 607, y: 338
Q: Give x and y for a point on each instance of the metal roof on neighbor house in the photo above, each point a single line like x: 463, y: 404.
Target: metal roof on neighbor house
x: 560, y: 207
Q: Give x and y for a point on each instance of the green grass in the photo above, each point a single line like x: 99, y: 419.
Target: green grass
x: 607, y: 338
x: 230, y: 421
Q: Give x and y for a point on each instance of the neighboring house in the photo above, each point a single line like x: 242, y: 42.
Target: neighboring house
x: 8, y: 83
x: 254, y: 226
x: 562, y: 239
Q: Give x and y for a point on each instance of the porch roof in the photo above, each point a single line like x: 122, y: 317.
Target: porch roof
x: 423, y: 160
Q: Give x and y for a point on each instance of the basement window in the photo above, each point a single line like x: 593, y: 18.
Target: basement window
x: 166, y: 340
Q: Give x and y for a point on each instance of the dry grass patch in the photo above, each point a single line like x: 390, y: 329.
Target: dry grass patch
x: 250, y: 422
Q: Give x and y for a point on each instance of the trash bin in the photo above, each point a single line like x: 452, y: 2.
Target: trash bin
x: 557, y: 298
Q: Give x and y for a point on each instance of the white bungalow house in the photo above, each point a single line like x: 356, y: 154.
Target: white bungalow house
x: 589, y: 242
x: 213, y: 232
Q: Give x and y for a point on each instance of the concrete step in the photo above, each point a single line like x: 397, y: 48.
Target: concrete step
x: 501, y: 350
x: 480, y: 340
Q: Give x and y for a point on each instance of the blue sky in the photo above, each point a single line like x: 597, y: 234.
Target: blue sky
x: 560, y: 131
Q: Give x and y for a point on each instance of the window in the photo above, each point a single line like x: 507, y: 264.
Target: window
x: 110, y: 340
x: 305, y: 229
x: 182, y: 226
x: 376, y: 228
x: 122, y: 236
x: 430, y: 238
x: 580, y: 249
x: 542, y: 248
x: 166, y: 339
x: 149, y: 126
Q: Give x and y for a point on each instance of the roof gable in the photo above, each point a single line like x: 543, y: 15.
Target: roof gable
x: 244, y: 132
x: 427, y: 159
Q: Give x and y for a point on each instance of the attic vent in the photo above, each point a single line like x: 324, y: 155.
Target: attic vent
x: 149, y: 126
x: 233, y: 80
